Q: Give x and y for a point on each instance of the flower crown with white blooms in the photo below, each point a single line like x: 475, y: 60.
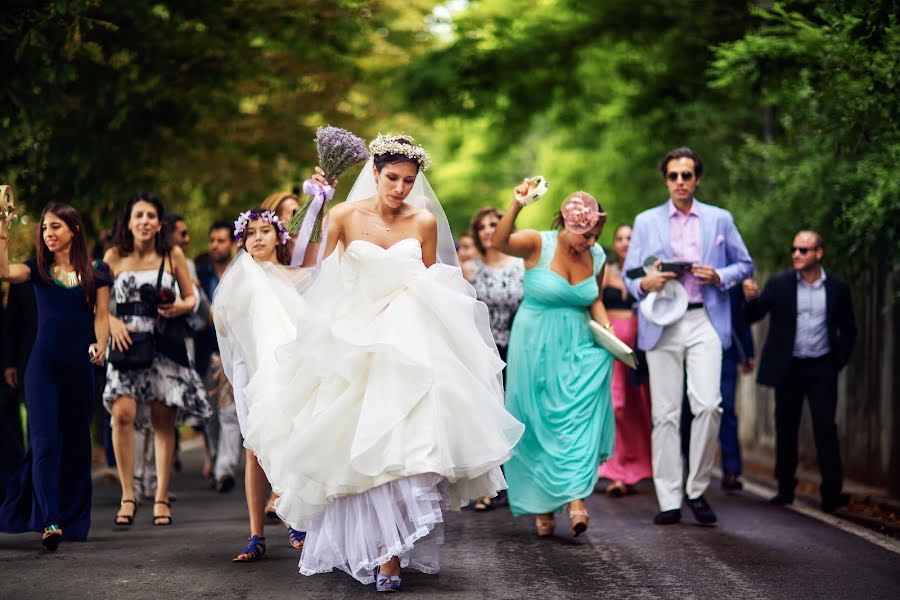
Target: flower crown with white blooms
x: 390, y: 144
x: 267, y: 216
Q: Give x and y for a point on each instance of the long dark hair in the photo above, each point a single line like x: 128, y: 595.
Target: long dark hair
x: 282, y: 254
x: 78, y: 253
x: 123, y: 239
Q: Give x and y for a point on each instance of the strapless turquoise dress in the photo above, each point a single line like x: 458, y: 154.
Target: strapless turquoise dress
x: 558, y: 385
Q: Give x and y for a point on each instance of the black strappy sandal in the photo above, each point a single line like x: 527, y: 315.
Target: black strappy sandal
x: 126, y: 520
x: 162, y: 520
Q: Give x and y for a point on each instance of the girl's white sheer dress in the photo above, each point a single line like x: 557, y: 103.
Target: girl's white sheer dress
x: 374, y: 401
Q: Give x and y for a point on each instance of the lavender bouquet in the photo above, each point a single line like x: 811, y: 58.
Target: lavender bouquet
x: 338, y: 150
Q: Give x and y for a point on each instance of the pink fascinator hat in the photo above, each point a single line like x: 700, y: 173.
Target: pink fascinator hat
x: 581, y: 213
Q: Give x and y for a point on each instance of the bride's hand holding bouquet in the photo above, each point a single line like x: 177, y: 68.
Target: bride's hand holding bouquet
x: 338, y: 149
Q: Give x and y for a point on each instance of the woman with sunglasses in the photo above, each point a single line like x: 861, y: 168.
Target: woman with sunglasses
x: 497, y: 279
x: 558, y: 381
x: 50, y: 491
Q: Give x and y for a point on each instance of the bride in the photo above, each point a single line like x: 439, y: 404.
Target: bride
x: 387, y: 408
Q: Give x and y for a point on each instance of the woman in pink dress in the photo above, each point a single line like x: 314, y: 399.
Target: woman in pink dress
x: 631, y: 401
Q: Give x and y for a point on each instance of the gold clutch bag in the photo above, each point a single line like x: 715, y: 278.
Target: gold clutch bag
x: 607, y: 339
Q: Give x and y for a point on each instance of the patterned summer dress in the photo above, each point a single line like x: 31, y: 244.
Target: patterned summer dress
x: 164, y: 380
x: 501, y: 289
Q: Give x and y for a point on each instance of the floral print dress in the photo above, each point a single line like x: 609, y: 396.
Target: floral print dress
x: 501, y: 290
x: 164, y: 380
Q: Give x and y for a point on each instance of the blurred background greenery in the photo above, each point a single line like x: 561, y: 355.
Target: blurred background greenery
x: 213, y: 105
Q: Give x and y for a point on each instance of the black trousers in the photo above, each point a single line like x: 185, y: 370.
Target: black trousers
x: 816, y: 380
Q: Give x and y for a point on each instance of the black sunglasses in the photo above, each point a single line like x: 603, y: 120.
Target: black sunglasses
x: 802, y: 250
x: 685, y: 176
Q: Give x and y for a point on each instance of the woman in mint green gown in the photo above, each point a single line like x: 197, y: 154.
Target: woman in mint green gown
x: 558, y: 379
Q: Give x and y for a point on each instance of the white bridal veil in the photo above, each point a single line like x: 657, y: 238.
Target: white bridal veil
x: 421, y: 196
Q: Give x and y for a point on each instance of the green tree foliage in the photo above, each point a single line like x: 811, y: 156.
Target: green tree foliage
x: 212, y: 104
x: 589, y: 94
x: 794, y: 109
x: 830, y: 79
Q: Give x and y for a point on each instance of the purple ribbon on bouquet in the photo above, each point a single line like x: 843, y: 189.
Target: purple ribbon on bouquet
x: 321, y: 195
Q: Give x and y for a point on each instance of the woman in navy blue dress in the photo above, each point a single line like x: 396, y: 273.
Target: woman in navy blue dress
x: 50, y: 491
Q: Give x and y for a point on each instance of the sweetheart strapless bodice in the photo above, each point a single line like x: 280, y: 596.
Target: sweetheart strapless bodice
x: 377, y: 271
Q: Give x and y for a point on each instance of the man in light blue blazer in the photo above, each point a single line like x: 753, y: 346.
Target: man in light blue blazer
x: 688, y: 231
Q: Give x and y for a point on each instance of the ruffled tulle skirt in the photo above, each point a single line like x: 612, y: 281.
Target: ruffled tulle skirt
x: 357, y: 533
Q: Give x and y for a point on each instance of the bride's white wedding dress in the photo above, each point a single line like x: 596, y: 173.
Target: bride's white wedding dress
x: 383, y: 412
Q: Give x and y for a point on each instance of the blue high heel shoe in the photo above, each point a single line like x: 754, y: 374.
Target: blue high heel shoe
x: 386, y: 583
x: 297, y: 538
x: 255, y: 550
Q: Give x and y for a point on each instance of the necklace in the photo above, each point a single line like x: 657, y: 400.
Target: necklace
x: 383, y: 224
x: 67, y: 278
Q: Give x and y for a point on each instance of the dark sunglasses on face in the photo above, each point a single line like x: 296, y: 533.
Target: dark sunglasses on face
x: 482, y: 226
x: 803, y: 251
x: 685, y: 176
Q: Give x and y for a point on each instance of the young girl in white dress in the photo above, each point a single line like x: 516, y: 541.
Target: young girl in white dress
x: 387, y: 408
x: 253, y: 304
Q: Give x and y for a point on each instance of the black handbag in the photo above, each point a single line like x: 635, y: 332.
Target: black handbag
x: 168, y: 337
x: 171, y: 333
x: 140, y: 353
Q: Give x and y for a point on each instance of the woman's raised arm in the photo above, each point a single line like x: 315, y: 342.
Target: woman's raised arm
x: 524, y: 244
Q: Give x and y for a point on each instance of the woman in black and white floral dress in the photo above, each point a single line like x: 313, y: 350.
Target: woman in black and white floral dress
x: 165, y: 392
x: 496, y: 277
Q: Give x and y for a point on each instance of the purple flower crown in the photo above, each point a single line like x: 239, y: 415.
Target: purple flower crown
x: 244, y: 219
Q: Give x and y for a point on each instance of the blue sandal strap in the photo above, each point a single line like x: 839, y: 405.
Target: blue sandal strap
x: 296, y: 535
x: 256, y: 549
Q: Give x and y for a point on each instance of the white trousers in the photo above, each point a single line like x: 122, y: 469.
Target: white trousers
x: 231, y: 447
x: 690, y: 345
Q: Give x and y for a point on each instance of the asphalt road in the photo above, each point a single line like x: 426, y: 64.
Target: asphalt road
x: 756, y: 551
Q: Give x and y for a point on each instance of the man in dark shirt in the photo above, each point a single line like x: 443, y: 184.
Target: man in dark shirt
x: 811, y: 336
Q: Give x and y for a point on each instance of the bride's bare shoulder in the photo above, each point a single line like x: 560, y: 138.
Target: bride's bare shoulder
x: 344, y: 209
x: 424, y: 217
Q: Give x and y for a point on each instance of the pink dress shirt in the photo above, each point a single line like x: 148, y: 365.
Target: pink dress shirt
x: 685, y: 239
